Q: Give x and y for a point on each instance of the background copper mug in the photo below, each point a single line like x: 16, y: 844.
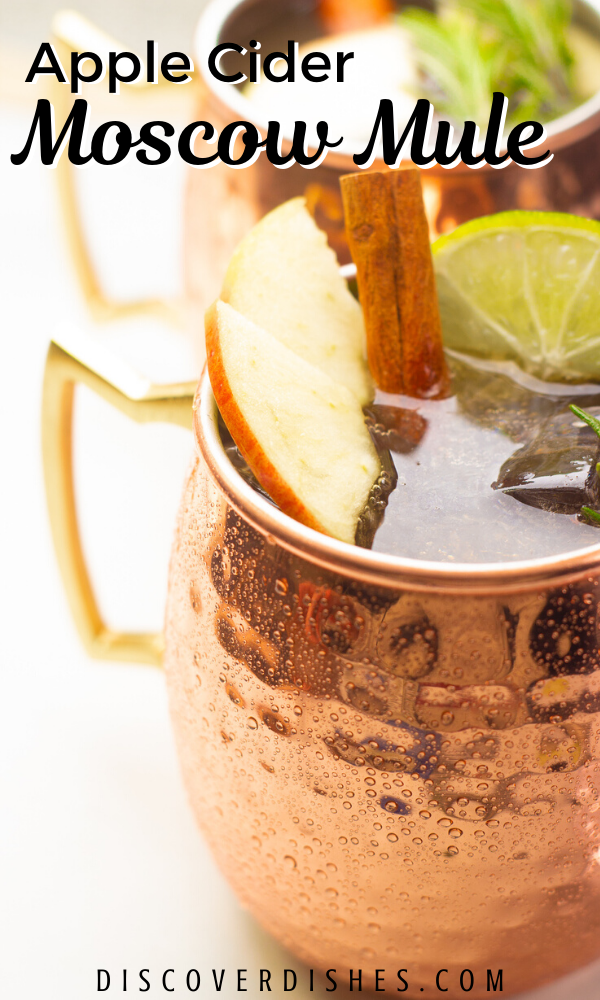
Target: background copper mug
x: 222, y: 204
x: 395, y: 762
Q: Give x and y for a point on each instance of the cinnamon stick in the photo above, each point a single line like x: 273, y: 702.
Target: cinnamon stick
x: 388, y: 237
x: 353, y: 15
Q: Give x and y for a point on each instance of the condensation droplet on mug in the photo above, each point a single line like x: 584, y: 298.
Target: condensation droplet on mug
x: 455, y: 833
x: 290, y: 861
x: 281, y: 586
x: 252, y: 723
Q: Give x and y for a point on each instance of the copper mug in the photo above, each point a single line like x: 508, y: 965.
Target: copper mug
x: 395, y: 762
x: 223, y: 204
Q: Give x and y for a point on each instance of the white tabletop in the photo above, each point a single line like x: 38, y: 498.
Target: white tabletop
x: 102, y: 866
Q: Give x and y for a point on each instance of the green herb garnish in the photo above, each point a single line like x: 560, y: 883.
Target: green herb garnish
x: 594, y: 423
x: 587, y: 418
x: 594, y: 515
x: 470, y: 48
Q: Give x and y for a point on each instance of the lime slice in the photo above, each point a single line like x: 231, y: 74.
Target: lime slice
x: 524, y: 286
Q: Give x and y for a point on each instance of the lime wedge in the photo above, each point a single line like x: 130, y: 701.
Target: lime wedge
x: 524, y: 286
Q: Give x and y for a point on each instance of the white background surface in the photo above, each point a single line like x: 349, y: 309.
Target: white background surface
x: 102, y: 866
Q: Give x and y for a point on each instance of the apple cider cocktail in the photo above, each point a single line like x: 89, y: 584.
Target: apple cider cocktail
x: 396, y: 758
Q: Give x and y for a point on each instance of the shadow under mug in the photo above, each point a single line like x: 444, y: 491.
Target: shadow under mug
x: 396, y: 763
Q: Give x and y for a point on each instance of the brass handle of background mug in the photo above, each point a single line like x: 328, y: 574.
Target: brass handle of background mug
x: 72, y: 32
x: 141, y: 401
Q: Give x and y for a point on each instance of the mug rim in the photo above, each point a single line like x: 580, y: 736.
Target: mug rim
x: 569, y: 128
x: 361, y: 564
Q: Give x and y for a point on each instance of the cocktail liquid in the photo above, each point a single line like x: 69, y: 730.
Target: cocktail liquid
x: 498, y: 472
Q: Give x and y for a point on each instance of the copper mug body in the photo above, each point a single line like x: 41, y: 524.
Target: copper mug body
x: 223, y: 204
x: 395, y: 763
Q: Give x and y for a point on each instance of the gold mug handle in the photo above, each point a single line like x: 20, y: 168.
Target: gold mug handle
x: 143, y: 402
x: 73, y: 32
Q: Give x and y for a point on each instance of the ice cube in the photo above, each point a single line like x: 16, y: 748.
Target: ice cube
x: 556, y: 470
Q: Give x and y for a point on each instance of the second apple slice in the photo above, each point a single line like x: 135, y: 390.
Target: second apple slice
x: 302, y: 434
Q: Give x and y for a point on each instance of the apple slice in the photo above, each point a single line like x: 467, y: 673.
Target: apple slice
x: 302, y: 434
x: 284, y: 277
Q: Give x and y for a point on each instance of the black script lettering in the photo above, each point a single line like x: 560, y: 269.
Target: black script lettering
x: 378, y: 989
x: 419, y: 121
x: 241, y: 979
x: 465, y: 149
x: 442, y: 989
x: 184, y: 144
x: 265, y: 979
x: 515, y: 142
x: 153, y: 142
x: 252, y: 144
x: 123, y: 139
x: 493, y: 136
x: 169, y: 989
x: 146, y: 982
x: 404, y: 987
x: 333, y: 987
x: 49, y: 149
x: 299, y: 141
x: 272, y: 146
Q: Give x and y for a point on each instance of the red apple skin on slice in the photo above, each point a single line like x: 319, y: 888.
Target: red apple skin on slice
x: 256, y: 421
x: 262, y: 467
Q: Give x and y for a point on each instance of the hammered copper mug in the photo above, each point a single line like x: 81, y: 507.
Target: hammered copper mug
x: 395, y: 762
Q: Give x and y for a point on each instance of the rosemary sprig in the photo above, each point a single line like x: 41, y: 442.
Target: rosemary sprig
x: 470, y: 48
x: 594, y: 423
x: 587, y: 418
